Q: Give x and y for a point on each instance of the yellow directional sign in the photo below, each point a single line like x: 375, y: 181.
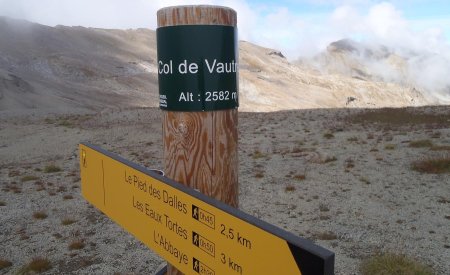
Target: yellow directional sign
x: 194, y: 233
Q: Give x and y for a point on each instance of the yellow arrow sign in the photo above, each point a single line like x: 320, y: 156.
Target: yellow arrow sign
x: 196, y: 234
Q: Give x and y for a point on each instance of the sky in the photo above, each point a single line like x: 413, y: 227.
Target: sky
x: 297, y: 28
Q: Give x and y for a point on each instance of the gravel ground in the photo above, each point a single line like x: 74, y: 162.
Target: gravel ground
x: 336, y: 176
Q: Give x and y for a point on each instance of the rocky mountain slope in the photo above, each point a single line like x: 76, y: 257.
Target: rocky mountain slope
x: 75, y: 68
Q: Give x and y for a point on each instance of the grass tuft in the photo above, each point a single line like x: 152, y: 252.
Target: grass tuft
x: 28, y: 178
x: 37, y: 265
x: 329, y: 159
x: 325, y: 236
x: 323, y: 208
x: 393, y: 264
x: 328, y: 135
x: 257, y: 155
x: 434, y: 165
x: 75, y: 245
x: 68, y: 197
x: 4, y: 264
x: 423, y: 143
x: 2, y: 203
x: 52, y: 169
x: 68, y: 221
x: 65, y: 123
x: 440, y: 148
x: 389, y: 146
x: 13, y: 173
x: 259, y: 175
x: 39, y: 215
x: 299, y: 177
x: 443, y: 200
x: 296, y: 150
x: 399, y: 116
x: 289, y: 188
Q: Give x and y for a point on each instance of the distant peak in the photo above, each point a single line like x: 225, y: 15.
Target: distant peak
x: 349, y: 46
x: 344, y: 45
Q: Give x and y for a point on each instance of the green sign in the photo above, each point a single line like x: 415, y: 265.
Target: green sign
x: 197, y: 67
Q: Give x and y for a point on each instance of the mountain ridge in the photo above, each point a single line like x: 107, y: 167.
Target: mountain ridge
x: 76, y: 68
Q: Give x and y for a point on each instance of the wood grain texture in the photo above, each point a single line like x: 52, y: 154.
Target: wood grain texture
x: 200, y: 148
x: 196, y: 15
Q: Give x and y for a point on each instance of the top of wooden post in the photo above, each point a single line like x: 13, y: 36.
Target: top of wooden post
x: 196, y: 15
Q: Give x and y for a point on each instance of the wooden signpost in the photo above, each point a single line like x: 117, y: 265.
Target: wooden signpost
x: 198, y: 84
x: 190, y: 217
x: 193, y: 232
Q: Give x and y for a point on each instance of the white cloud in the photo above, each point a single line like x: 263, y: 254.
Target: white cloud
x: 384, y: 20
x: 272, y: 26
x: 276, y: 26
x: 90, y: 13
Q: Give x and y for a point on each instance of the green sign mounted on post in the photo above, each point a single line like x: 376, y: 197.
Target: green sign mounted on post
x: 197, y: 67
